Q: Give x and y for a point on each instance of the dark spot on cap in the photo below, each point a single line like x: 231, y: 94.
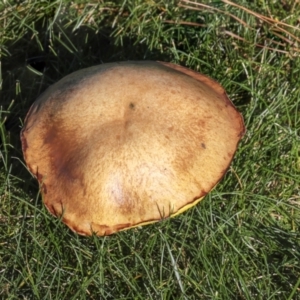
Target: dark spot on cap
x: 132, y: 106
x: 203, y: 146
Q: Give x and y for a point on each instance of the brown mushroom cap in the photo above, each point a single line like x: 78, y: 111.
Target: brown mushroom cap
x: 125, y: 144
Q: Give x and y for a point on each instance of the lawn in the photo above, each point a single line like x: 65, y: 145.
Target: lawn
x: 242, y: 241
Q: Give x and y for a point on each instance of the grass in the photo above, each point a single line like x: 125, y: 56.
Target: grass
x: 242, y: 241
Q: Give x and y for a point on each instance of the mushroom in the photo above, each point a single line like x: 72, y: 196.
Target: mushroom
x: 125, y: 144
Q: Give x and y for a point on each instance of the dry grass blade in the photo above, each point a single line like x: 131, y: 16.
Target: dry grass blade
x: 259, y: 16
x: 205, y: 6
x: 235, y: 36
x: 184, y: 23
x: 279, y: 29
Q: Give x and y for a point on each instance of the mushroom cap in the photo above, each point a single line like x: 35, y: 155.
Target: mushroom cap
x: 126, y: 144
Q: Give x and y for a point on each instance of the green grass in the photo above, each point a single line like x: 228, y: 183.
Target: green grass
x: 242, y: 241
